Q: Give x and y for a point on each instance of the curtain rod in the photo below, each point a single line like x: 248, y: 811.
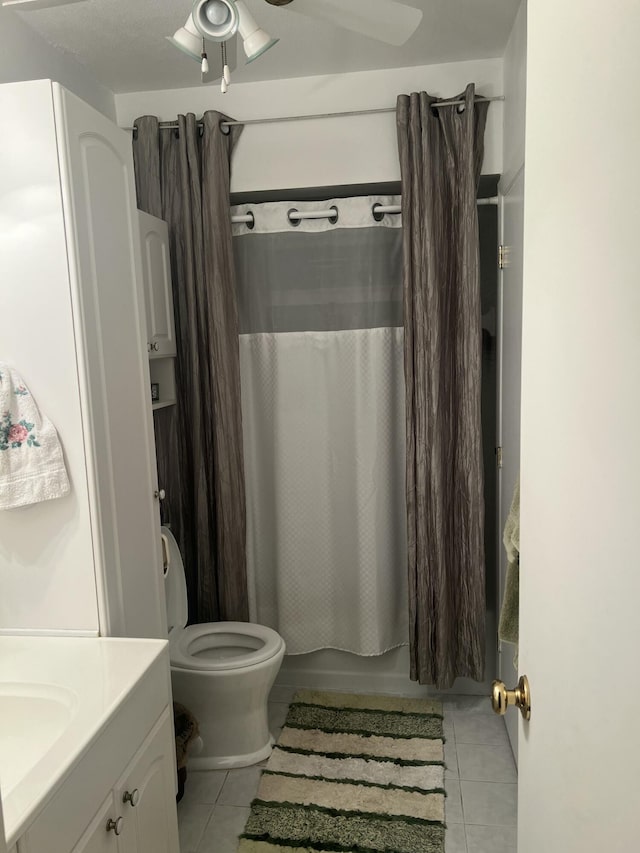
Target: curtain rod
x: 167, y: 125
x: 377, y: 211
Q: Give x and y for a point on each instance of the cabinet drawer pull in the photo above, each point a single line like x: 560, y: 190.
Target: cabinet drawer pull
x: 115, y: 826
x: 156, y: 346
x: 132, y: 797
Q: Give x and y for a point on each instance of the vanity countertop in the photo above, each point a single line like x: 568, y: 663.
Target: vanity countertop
x: 56, y: 695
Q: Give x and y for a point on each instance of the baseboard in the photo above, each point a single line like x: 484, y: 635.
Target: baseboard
x: 386, y: 674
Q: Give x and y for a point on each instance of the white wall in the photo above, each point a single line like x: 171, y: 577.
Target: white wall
x: 580, y: 500
x: 515, y: 91
x: 324, y: 152
x: 24, y: 55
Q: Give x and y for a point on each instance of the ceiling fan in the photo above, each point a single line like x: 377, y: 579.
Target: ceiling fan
x: 384, y: 20
x: 220, y: 20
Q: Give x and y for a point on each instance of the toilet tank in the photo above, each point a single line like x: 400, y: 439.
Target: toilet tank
x: 175, y: 585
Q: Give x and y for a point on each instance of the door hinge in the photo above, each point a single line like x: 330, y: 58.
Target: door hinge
x: 503, y: 256
x: 499, y: 457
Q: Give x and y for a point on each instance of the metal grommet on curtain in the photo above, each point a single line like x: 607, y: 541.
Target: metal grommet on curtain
x: 377, y: 215
x: 295, y: 221
x: 224, y: 128
x: 334, y: 219
x: 251, y: 224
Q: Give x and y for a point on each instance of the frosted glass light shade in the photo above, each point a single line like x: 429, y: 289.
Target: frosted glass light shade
x: 188, y: 40
x: 215, y: 20
x: 255, y: 40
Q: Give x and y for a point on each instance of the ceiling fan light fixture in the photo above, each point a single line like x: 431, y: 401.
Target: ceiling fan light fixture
x: 216, y: 20
x: 255, y: 40
x: 188, y: 40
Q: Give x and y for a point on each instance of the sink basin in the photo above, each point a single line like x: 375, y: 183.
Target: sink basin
x: 44, y: 712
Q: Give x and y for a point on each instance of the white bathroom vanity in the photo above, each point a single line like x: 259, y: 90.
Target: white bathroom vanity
x: 87, y: 753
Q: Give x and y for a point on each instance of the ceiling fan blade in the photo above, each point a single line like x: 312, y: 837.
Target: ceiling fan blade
x: 383, y: 20
x: 28, y: 5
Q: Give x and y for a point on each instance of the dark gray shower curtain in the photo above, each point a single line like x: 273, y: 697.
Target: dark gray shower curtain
x: 441, y: 152
x: 183, y: 177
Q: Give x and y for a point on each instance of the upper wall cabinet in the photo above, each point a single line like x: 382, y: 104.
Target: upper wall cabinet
x: 72, y: 324
x: 156, y: 267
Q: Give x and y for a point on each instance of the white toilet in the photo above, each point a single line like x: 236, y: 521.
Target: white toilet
x: 222, y: 672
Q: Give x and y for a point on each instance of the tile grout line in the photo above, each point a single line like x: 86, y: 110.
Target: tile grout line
x: 204, y: 829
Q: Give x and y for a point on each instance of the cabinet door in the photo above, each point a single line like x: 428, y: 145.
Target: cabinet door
x: 97, y: 838
x: 101, y: 221
x: 156, y: 267
x: 147, y: 794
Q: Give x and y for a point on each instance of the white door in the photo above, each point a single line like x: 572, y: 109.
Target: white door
x: 579, y: 788
x: 156, y: 268
x: 103, y: 237
x: 512, y: 209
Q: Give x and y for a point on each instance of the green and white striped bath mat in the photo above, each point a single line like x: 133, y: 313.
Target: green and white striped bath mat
x: 352, y: 773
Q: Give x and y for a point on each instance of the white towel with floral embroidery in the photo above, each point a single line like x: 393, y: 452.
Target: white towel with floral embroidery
x: 32, y: 466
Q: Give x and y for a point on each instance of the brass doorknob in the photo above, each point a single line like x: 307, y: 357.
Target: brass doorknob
x: 501, y: 698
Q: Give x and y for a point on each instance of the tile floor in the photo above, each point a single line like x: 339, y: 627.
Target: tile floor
x: 481, y: 783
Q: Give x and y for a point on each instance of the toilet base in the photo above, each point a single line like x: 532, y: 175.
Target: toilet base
x: 232, y: 713
x: 231, y: 762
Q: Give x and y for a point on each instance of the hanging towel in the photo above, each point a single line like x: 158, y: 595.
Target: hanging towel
x: 32, y: 467
x: 508, y: 629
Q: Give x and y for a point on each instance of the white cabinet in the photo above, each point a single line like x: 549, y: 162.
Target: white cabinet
x: 109, y: 801
x: 72, y: 324
x: 145, y: 796
x: 137, y: 816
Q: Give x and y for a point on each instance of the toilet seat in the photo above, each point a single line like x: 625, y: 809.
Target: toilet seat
x: 188, y: 647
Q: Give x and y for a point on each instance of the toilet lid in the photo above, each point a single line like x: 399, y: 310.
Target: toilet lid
x: 202, y: 647
x: 175, y: 585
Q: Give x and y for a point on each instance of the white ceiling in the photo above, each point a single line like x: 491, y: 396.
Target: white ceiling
x: 122, y: 42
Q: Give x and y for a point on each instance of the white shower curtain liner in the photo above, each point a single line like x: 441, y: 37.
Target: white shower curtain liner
x: 321, y: 355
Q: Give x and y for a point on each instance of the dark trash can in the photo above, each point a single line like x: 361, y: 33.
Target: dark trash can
x: 186, y: 731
